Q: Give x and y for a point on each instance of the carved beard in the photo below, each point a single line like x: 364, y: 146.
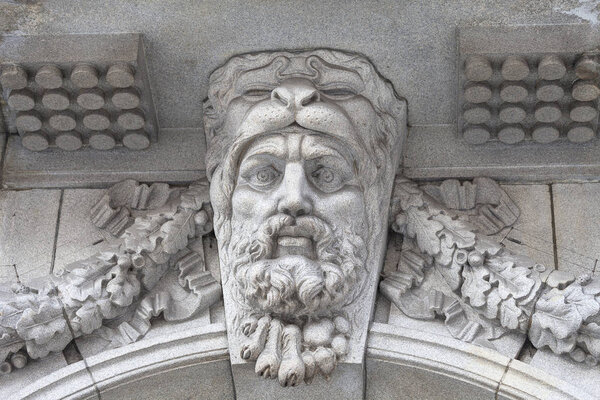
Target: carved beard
x: 294, y: 286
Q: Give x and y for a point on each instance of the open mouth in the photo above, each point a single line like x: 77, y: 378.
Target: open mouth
x: 293, y: 242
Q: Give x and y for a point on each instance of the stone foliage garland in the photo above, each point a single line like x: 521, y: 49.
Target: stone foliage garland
x: 449, y: 268
x: 154, y: 266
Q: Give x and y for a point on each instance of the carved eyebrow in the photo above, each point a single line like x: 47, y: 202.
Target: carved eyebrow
x: 267, y: 147
x: 319, y: 150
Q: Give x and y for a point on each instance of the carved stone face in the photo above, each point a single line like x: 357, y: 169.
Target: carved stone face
x: 298, y: 224
x: 302, y: 151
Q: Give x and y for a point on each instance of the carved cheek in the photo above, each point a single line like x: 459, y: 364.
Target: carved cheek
x: 345, y: 205
x: 250, y: 205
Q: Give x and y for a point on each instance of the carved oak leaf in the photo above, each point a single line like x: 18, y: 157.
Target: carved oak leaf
x: 41, y: 326
x: 445, y: 256
x: 196, y: 196
x: 590, y: 336
x: 176, y: 233
x: 554, y: 324
x: 10, y: 313
x: 139, y: 236
x: 552, y: 313
x: 486, y: 246
x: 123, y: 288
x: 593, y: 287
x: 512, y: 281
x: 88, y: 318
x: 424, y: 230
x: 407, y: 194
x: 509, y: 314
x: 451, y: 274
x: 586, y: 304
x: 456, y: 232
x: 9, y: 343
x: 476, y: 285
x: 492, y: 305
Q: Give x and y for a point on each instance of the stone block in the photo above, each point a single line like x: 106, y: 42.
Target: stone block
x: 562, y: 367
x: 435, y: 152
x: 34, y: 370
x: 533, y: 381
x: 391, y: 381
x: 203, y: 381
x: 178, y: 157
x: 78, y: 238
x: 346, y: 383
x: 531, y: 235
x: 405, y: 363
x: 27, y: 228
x: 577, y: 216
x: 518, y: 84
x: 182, y: 364
x: 73, y: 381
x: 74, y: 91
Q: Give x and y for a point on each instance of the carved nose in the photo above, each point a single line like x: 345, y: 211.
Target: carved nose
x: 295, y: 96
x: 294, y: 200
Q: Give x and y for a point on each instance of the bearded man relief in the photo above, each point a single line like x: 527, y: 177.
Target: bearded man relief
x: 303, y: 149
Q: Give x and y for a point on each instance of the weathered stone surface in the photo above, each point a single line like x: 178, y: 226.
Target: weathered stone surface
x: 564, y: 368
x: 11, y: 384
x: 422, y: 364
x: 175, y: 54
x: 577, y: 212
x: 98, y: 63
x: 27, y: 228
x: 346, y: 383
x: 531, y: 235
x: 77, y: 237
x: 177, y: 157
x: 537, y: 66
x: 433, y: 152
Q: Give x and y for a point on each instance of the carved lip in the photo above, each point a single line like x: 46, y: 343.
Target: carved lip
x: 295, y: 245
x: 295, y: 128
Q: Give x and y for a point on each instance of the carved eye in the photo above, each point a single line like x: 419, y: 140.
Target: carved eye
x: 257, y: 93
x: 327, y: 179
x: 264, y: 177
x: 338, y: 92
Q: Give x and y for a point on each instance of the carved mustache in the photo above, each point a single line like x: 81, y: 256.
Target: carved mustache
x: 314, y: 228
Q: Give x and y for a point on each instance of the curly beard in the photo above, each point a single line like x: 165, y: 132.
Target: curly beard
x: 293, y: 286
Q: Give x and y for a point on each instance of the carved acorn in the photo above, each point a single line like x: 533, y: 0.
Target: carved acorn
x: 475, y: 259
x: 203, y: 224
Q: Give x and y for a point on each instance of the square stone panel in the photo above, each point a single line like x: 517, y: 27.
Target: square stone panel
x: 584, y: 376
x: 78, y: 238
x: 27, y: 230
x: 531, y: 235
x: 178, y: 157
x: 577, y: 222
x: 387, y: 381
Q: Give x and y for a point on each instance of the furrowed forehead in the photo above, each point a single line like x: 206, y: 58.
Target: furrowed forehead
x: 312, y: 146
x: 272, y: 144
